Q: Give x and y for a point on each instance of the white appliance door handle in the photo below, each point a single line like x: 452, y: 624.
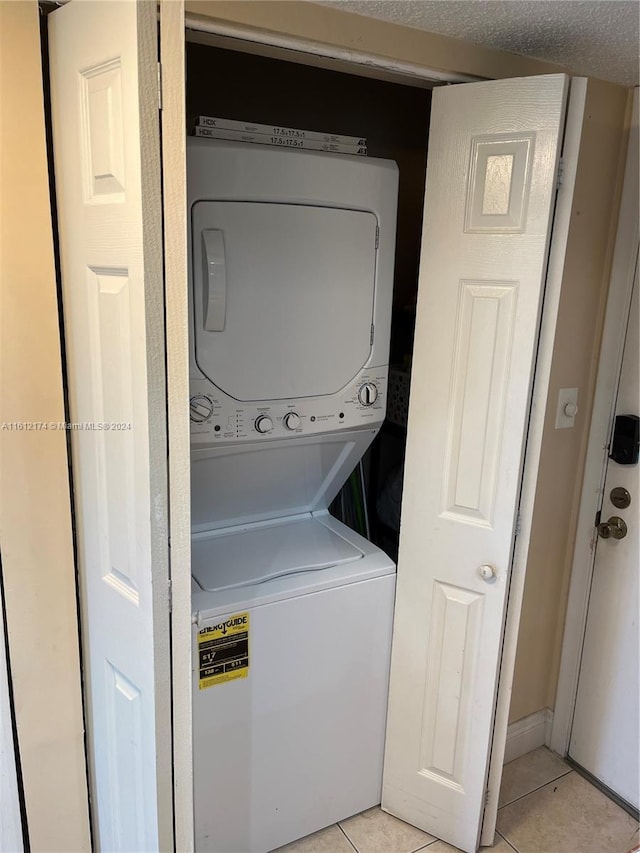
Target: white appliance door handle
x: 214, y: 280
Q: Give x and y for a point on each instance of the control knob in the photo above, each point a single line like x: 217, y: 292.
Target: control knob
x: 264, y: 424
x: 200, y: 408
x: 368, y: 394
x: 291, y: 420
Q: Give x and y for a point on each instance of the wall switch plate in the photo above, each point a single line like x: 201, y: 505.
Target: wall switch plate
x: 567, y: 408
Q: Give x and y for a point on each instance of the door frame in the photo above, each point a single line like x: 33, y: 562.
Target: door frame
x: 293, y: 49
x: 174, y: 207
x: 623, y: 271
x: 247, y: 39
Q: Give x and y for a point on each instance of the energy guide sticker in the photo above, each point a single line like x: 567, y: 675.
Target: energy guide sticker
x: 223, y: 651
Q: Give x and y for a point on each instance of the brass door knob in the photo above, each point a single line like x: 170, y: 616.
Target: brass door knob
x: 615, y: 528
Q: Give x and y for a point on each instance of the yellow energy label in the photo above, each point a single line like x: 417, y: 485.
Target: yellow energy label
x: 223, y: 651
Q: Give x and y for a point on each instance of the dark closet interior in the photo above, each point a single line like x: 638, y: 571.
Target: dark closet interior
x: 395, y: 120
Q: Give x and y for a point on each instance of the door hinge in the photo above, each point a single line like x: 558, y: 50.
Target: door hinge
x: 377, y: 236
x: 560, y: 176
x: 371, y: 335
x: 518, y: 525
x: 159, y: 86
x: 170, y: 595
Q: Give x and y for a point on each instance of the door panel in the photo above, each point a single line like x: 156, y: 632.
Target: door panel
x: 604, y: 736
x: 106, y: 138
x: 491, y: 181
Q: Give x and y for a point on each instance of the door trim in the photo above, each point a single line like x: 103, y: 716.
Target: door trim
x: 174, y: 201
x: 296, y: 49
x: 623, y: 271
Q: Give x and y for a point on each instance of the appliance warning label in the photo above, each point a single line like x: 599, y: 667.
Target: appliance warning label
x: 223, y: 651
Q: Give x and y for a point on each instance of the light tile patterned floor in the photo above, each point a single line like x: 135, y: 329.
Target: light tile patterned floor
x: 545, y: 807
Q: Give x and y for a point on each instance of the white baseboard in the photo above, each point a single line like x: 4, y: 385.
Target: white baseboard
x: 527, y: 734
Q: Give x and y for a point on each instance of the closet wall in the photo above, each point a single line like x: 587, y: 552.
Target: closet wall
x: 585, y: 286
x: 36, y: 537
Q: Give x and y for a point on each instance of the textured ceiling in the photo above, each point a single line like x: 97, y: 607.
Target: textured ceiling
x: 587, y: 37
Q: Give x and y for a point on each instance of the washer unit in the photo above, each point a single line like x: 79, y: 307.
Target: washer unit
x: 291, y: 274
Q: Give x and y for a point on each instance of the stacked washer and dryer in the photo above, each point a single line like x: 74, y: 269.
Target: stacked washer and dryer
x: 291, y: 275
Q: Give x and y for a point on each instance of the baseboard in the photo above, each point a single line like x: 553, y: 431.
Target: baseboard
x: 527, y: 734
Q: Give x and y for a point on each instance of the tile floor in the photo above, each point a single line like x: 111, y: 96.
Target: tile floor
x: 545, y: 807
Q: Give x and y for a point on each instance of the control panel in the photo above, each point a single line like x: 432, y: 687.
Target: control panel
x: 218, y: 419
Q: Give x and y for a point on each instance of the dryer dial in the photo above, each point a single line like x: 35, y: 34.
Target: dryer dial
x: 291, y: 420
x: 200, y: 408
x: 368, y: 394
x: 264, y: 424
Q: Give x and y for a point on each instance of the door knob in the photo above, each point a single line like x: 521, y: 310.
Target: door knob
x: 487, y: 573
x: 615, y: 528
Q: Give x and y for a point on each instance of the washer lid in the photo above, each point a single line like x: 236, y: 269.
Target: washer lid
x: 283, y: 297
x: 262, y: 481
x: 252, y: 556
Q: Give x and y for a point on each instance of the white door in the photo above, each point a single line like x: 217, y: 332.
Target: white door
x: 107, y: 171
x: 491, y: 182
x: 604, y: 736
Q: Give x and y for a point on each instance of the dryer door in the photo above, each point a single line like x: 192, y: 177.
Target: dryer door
x: 283, y: 297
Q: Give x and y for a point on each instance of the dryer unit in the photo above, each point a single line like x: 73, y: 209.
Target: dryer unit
x: 291, y: 275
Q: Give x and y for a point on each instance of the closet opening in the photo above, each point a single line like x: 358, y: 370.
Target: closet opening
x: 293, y: 251
x: 394, y: 119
